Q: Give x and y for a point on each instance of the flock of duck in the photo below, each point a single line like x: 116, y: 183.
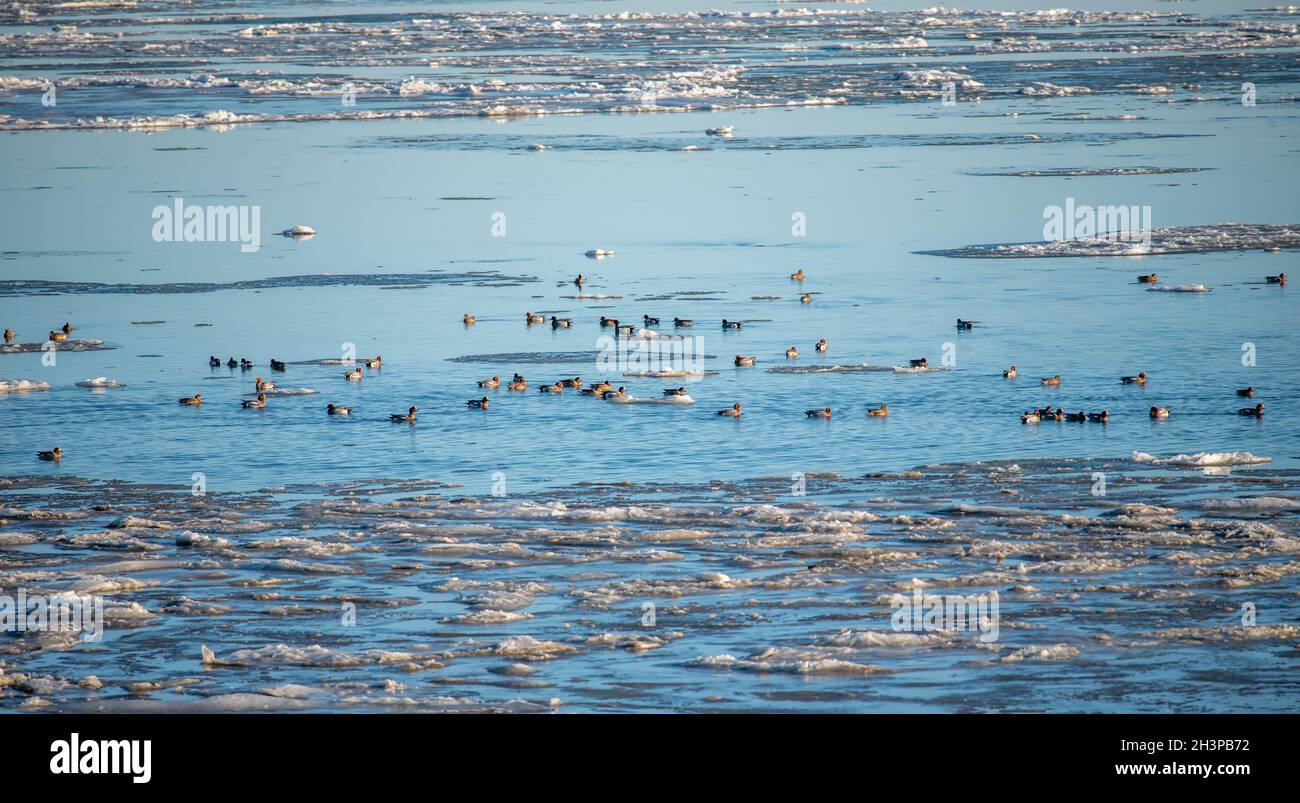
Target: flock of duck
x: 605, y: 390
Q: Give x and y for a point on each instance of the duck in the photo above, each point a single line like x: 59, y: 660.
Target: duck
x: 1079, y: 416
x: 10, y: 335
x: 333, y: 409
x: 232, y: 363
x: 680, y: 322
x: 530, y: 318
x: 965, y: 325
x: 1247, y: 392
x: 597, y: 388
x: 1051, y: 380
x: 254, y: 404
x: 650, y: 321
x: 575, y: 383
x: 1159, y: 412
x: 67, y: 326
x: 468, y: 319
x: 193, y: 401
x: 517, y: 383
x: 614, y: 394
x: 407, y: 418
x: 1140, y: 379
x: 791, y: 353
x: 1052, y: 415
x: 919, y: 363
x: 605, y: 323
x: 726, y: 324
x: 732, y: 412
x: 213, y: 362
x: 556, y: 388
x: 806, y: 298
x: 1010, y: 373
x: 493, y: 383
x: 354, y: 375
x: 624, y: 329
x: 376, y: 362
x: 1278, y: 279
x: 1030, y: 417
x: 57, y: 337
x: 1148, y: 278
x: 825, y: 412
x: 879, y: 412
x: 245, y: 364
x: 742, y: 361
x: 578, y: 281
x: 277, y: 365
x: 55, y: 454
x: 821, y: 345
x: 1099, y: 418
x: 561, y: 323
x: 477, y: 404
x: 797, y: 275
x: 675, y: 391
x: 259, y: 385
x: 1254, y: 412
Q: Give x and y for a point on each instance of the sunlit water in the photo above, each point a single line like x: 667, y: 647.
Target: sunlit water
x: 1100, y: 611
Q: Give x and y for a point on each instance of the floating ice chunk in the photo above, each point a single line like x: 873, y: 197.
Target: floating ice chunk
x: 15, y: 385
x: 99, y: 382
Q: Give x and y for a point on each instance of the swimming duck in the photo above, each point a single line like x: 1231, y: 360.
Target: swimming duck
x: 1149, y: 278
x: 1247, y: 392
x: 556, y: 388
x: 277, y: 365
x: 254, y: 404
x: 57, y: 337
x: 605, y: 323
x: 880, y: 412
x: 377, y: 362
x: 614, y: 394
x: 797, y: 275
x: 468, y: 319
x: 331, y: 409
x: 399, y: 418
x: 920, y: 363
x: 576, y: 382
x: 530, y: 318
x: 1030, y: 418
x: 649, y: 321
x: 1052, y: 415
x: 1010, y: 373
x: 1140, y: 379
x: 478, y: 404
x: 232, y: 363
x: 245, y: 364
x: 791, y: 353
x: 67, y: 326
x: 1099, y: 418
x: 822, y: 413
x: 1159, y: 412
x: 624, y: 329
x: 9, y: 335
x: 806, y: 298
x: 683, y: 322
x: 259, y: 385
x: 597, y: 388
x: 1051, y: 380
x: 493, y: 383
x: 675, y: 391
x: 726, y: 324
x: 1278, y: 279
x: 213, y: 362
x: 1254, y: 412
x: 354, y: 375
x: 821, y: 345
x: 1079, y: 416
x: 733, y: 411
x: 55, y: 454
x: 965, y: 325
x: 578, y: 281
x: 193, y: 401
x: 561, y: 323
x: 741, y: 361
x: 517, y: 383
